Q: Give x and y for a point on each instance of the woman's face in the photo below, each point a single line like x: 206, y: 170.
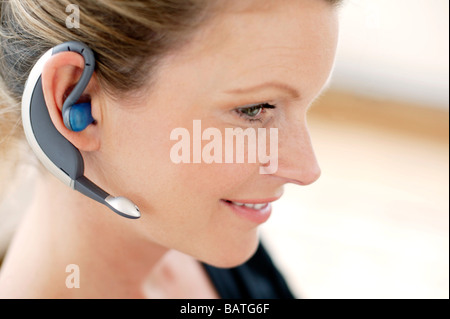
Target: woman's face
x: 281, y: 54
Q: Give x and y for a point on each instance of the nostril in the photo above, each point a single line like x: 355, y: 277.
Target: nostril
x: 298, y: 176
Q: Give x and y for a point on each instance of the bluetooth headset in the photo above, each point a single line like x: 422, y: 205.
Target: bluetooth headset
x: 55, y: 152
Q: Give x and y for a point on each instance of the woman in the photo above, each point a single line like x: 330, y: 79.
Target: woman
x: 162, y: 65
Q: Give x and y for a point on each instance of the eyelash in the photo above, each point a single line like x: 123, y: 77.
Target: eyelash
x: 262, y: 106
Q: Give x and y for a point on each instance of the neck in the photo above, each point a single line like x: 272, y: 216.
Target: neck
x: 113, y: 255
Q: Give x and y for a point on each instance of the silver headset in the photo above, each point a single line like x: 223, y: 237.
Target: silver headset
x: 55, y: 152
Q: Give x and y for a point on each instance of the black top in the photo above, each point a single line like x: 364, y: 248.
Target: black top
x: 258, y: 278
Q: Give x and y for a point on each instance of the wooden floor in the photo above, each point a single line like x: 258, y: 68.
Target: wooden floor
x: 376, y: 223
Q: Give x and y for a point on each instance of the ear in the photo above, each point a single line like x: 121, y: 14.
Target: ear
x: 59, y: 76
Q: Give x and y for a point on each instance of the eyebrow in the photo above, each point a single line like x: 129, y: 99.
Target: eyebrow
x: 278, y: 85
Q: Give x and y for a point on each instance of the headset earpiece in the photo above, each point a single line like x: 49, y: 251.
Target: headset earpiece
x: 80, y: 116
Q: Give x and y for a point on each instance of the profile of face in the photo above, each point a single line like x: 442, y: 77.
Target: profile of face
x: 280, y: 53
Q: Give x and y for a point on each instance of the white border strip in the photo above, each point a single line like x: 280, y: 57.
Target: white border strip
x: 26, y: 120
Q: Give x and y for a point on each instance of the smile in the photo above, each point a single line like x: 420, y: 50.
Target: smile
x: 252, y: 206
x: 255, y: 211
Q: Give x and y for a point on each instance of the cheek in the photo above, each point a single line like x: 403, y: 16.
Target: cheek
x: 133, y: 155
x: 211, y: 182
x: 143, y: 167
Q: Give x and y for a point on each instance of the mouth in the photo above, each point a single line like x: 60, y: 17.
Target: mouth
x: 256, y: 211
x: 248, y: 205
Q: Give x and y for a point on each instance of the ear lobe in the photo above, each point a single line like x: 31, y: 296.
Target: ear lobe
x: 60, y: 74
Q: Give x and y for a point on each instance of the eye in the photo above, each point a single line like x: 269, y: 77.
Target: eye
x: 254, y: 112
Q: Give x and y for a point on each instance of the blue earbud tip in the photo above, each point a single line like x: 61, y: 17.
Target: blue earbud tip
x: 80, y: 116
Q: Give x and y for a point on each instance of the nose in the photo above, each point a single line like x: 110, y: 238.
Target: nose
x: 297, y: 162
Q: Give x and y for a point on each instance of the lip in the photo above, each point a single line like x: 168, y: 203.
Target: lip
x: 257, y: 216
x: 253, y: 201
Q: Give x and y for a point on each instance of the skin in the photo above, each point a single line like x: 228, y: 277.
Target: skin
x: 127, y: 152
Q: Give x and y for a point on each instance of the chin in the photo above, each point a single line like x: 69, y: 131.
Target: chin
x: 233, y: 256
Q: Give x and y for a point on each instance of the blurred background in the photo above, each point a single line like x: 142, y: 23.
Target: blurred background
x: 376, y: 224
